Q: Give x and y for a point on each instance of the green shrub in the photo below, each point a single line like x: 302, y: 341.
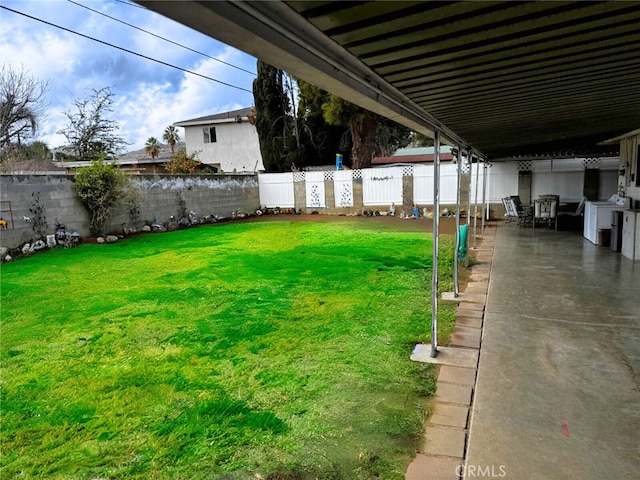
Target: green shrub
x: 182, y: 163
x: 98, y: 188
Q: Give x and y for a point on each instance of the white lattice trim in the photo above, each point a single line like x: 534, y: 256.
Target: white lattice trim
x: 356, y: 173
x: 592, y: 162
x: 407, y: 171
x: 299, y: 176
x: 525, y: 166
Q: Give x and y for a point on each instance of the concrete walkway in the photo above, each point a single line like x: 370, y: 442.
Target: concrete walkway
x: 557, y: 393
x: 555, y: 390
x: 441, y: 455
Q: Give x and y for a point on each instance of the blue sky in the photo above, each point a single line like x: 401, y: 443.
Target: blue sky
x: 148, y: 96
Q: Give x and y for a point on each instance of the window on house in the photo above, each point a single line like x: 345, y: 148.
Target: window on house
x: 209, y: 134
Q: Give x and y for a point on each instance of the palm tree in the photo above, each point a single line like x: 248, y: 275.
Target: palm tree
x: 152, y: 147
x: 171, y: 136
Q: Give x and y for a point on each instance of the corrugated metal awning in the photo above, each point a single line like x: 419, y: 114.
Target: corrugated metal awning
x: 507, y: 78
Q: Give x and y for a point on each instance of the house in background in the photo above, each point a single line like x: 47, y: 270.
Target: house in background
x: 226, y: 141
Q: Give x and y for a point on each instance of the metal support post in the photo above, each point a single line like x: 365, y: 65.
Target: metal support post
x: 470, y: 162
x: 484, y: 194
x: 436, y: 218
x: 475, y: 204
x: 456, y: 289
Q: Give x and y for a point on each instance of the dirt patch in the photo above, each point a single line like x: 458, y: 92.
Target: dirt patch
x: 447, y: 224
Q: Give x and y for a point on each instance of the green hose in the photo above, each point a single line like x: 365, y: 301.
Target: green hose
x: 463, y: 231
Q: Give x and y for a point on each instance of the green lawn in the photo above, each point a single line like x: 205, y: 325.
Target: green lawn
x: 277, y: 350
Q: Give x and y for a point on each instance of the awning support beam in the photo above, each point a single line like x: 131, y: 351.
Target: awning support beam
x: 434, y: 270
x: 475, y: 204
x: 456, y: 288
x: 484, y: 195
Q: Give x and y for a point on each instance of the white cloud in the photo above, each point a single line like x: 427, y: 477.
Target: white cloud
x: 148, y: 96
x: 157, y: 106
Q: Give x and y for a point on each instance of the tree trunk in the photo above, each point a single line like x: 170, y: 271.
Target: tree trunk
x: 363, y: 135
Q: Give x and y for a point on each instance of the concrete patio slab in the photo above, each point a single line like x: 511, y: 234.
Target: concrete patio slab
x: 449, y: 415
x: 444, y: 441
x: 485, y: 266
x: 477, y: 287
x: 459, y: 357
x: 557, y: 385
x: 427, y: 467
x: 477, y: 276
x: 465, y: 297
x: 466, y: 337
x: 482, y: 248
x: 469, y: 321
x: 457, y: 375
x: 453, y: 393
x: 471, y: 306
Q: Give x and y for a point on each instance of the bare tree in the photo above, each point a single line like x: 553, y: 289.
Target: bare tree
x: 22, y: 104
x: 91, y: 135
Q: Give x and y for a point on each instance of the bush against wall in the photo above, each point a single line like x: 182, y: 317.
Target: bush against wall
x: 98, y: 188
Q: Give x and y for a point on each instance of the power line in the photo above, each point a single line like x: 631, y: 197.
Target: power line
x: 160, y: 37
x: 126, y: 50
x: 132, y: 4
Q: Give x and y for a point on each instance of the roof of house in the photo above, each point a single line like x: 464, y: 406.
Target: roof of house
x: 141, y: 155
x: 421, y: 151
x: 224, y: 117
x: 415, y: 155
x: 42, y: 166
x: 136, y: 157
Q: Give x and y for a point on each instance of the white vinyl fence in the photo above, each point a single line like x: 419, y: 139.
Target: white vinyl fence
x: 276, y: 190
x: 423, y: 184
x: 343, y: 188
x: 384, y: 186
x: 315, y: 190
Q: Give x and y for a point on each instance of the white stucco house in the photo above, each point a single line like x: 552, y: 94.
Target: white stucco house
x: 225, y: 140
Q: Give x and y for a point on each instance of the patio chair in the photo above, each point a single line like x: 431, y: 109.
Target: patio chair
x: 510, y: 213
x: 523, y: 212
x: 545, y: 209
x: 550, y: 196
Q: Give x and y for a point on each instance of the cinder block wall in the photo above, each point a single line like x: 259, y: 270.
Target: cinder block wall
x: 53, y: 192
x: 159, y: 197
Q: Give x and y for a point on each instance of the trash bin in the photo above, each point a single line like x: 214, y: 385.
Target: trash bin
x: 604, y: 237
x: 616, y: 230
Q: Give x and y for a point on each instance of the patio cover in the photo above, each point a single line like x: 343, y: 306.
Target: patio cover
x: 504, y: 78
